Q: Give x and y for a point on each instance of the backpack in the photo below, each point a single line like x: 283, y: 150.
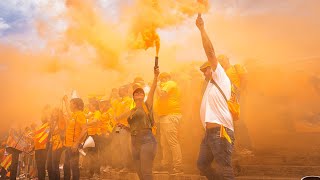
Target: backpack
x: 233, y: 103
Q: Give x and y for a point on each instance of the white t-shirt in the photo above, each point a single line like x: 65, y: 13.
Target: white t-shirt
x: 214, y: 108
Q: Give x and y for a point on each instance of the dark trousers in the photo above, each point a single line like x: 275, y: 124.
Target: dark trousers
x: 94, y: 156
x: 144, y: 147
x: 215, y: 148
x: 41, y: 159
x: 3, y: 173
x: 53, y: 164
x: 14, y: 163
x: 71, y: 163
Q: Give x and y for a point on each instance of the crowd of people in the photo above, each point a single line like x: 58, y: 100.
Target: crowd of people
x: 126, y: 129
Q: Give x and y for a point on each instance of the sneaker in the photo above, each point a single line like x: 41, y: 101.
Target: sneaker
x: 176, y: 172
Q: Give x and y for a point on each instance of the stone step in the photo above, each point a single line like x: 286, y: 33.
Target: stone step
x: 134, y: 176
x: 278, y: 170
x: 265, y: 178
x: 164, y: 176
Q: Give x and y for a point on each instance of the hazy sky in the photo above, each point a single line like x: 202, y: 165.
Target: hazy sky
x: 17, y: 17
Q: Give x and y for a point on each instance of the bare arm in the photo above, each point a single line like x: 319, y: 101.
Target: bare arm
x: 124, y: 115
x: 207, y: 45
x: 153, y: 88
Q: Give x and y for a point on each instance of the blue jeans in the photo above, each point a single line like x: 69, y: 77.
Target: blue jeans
x: 144, y: 147
x: 215, y: 148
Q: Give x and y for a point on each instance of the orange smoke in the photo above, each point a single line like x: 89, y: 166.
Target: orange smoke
x: 150, y: 15
x: 204, y: 5
x: 143, y: 33
x: 144, y: 39
x: 86, y: 27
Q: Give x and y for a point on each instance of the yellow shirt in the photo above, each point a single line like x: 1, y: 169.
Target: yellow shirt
x: 74, y: 127
x: 114, y: 102
x: 95, y: 128
x: 170, y: 104
x: 123, y: 106
x: 234, y: 73
x: 56, y: 140
x: 107, y: 121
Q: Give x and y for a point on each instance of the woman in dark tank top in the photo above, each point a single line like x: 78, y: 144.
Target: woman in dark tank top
x: 143, y: 142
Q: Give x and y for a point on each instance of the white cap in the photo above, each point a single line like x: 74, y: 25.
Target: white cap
x: 74, y: 94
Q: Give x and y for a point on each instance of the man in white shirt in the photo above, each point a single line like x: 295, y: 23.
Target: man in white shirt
x: 217, y: 144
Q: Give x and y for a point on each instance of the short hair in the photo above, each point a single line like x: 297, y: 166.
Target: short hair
x: 78, y: 102
x: 95, y: 104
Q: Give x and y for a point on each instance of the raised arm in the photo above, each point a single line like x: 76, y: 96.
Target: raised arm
x: 207, y: 45
x: 149, y: 101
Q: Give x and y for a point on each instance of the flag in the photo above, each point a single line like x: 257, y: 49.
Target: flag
x: 6, y: 162
x: 11, y: 141
x: 42, y: 134
x: 224, y: 134
x: 15, y: 140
